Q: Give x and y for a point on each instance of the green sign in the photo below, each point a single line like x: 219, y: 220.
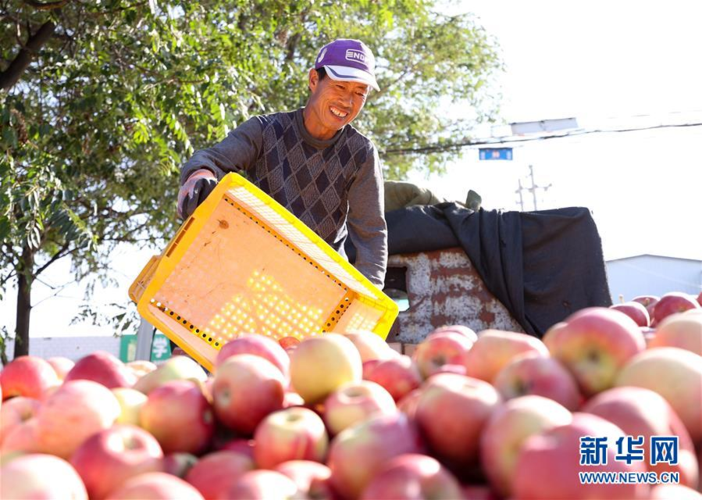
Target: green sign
x: 160, y: 348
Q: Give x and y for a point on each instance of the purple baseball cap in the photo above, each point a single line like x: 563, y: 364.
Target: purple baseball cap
x: 348, y: 60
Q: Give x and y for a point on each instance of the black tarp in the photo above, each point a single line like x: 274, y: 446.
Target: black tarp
x: 541, y: 265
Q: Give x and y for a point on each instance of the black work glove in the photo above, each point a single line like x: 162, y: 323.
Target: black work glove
x: 198, y: 187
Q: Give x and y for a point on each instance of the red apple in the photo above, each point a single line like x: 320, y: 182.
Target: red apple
x: 636, y: 311
x: 683, y: 330
x: 291, y: 434
x: 399, y: 376
x: 22, y: 438
x: 508, y: 428
x: 311, y: 478
x: 156, y: 486
x: 320, y: 365
x: 461, y: 329
x: 452, y: 412
x: 408, y: 404
x: 288, y: 342
x: 258, y: 345
x: 40, y: 476
x: 110, y: 457
x: 179, y: 417
x: 179, y: 463
x: 699, y: 299
x: 439, y: 349
x: 642, y: 412
x: 61, y: 365
x: 263, y: 485
x: 675, y: 374
x: 535, y: 374
x: 28, y: 376
x: 15, y: 411
x: 670, y: 303
x: 648, y: 301
x: 370, y: 346
x: 495, y: 348
x: 175, y: 368
x: 594, y: 344
x: 368, y: 367
x: 358, y: 453
x: 355, y: 402
x: 413, y: 476
x: 246, y: 389
x: 243, y: 446
x: 549, y: 462
x: 76, y: 411
x: 103, y: 368
x: 215, y: 473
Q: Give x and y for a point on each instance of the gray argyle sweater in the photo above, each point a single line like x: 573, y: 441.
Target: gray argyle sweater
x: 335, y: 186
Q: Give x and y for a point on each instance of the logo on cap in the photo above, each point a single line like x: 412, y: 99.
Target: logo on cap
x: 321, y: 55
x: 355, y: 55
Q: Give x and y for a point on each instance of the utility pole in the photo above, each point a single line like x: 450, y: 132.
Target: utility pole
x: 532, y: 189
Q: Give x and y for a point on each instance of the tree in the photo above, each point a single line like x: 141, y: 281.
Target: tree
x: 102, y: 101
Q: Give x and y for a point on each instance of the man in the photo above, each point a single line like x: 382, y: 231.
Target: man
x: 311, y: 161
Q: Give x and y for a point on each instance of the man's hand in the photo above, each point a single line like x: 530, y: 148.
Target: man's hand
x: 198, y: 186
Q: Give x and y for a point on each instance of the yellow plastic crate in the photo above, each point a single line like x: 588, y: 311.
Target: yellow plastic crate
x: 243, y: 264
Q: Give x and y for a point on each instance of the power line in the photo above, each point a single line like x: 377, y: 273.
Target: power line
x: 485, y: 142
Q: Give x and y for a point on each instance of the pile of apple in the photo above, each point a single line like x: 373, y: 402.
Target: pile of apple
x: 494, y: 415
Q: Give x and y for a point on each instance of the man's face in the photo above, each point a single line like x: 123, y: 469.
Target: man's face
x: 332, y: 105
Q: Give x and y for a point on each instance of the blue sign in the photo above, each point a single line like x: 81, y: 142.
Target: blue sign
x: 496, y: 154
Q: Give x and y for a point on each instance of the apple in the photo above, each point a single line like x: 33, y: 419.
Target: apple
x: 258, y: 345
x: 179, y: 463
x: 22, y: 438
x: 179, y: 417
x: 398, y: 375
x: 460, y: 329
x: 175, y: 368
x: 441, y: 348
x: 130, y: 402
x: 103, y: 368
x: 263, y: 485
x: 215, y: 473
x: 156, y: 486
x: 292, y: 399
x: 289, y: 342
x: 670, y: 303
x: 61, y: 365
x: 413, y: 476
x: 683, y: 330
x: 110, y: 457
x: 320, y: 365
x: 15, y: 411
x: 452, y: 412
x: 311, y: 478
x: 675, y: 374
x: 531, y: 373
x: 594, y: 344
x: 408, y: 404
x: 370, y: 346
x: 495, y: 348
x: 355, y: 402
x: 141, y: 367
x: 358, y: 453
x: 549, y: 462
x: 635, y: 310
x: 642, y: 412
x: 28, y: 376
x: 673, y: 491
x: 40, y: 476
x: 77, y: 410
x: 508, y: 428
x: 246, y: 389
x: 291, y: 434
x: 243, y: 446
x: 648, y: 301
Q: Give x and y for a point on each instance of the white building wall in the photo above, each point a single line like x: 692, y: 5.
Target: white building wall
x: 653, y: 275
x: 72, y: 348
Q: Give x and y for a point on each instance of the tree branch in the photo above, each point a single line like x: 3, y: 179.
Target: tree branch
x: 14, y: 71
x: 46, y: 5
x: 53, y: 259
